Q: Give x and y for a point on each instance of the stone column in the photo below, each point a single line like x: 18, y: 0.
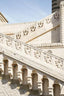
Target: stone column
x: 5, y: 61
x: 56, y: 88
x: 62, y: 22
x: 45, y: 85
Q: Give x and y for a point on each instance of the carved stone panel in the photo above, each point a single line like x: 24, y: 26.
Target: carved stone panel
x: 27, y: 49
x: 48, y: 20
x: 33, y: 28
x: 9, y: 42
x: 40, y: 24
x: 25, y: 32
x: 37, y: 54
x: 58, y: 62
x: 18, y: 35
x: 56, y: 16
x: 48, y: 58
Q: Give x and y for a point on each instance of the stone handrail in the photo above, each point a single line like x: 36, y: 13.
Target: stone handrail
x: 40, y: 27
x: 33, y: 52
x: 48, y: 45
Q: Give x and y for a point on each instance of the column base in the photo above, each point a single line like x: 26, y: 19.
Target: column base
x: 6, y: 77
x: 15, y: 81
x: 45, y: 95
x: 35, y: 92
x: 25, y: 86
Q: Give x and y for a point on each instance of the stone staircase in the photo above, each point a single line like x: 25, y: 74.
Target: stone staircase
x: 43, y: 62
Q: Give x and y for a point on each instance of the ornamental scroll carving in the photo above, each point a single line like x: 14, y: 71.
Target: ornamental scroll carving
x: 18, y: 45
x: 56, y: 16
x: 40, y: 24
x: 48, y: 58
x: 18, y: 35
x: 25, y: 32
x: 58, y: 62
x: 48, y: 20
x: 37, y: 54
x: 8, y: 41
x: 27, y: 49
x: 33, y: 28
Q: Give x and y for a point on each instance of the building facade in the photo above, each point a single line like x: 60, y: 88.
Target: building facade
x: 32, y: 55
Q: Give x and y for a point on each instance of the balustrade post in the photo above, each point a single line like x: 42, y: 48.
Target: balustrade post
x: 34, y: 80
x: 56, y: 88
x: 15, y: 70
x: 45, y: 85
x: 5, y: 61
x: 24, y: 75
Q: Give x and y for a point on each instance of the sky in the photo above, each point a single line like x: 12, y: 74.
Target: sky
x: 19, y: 11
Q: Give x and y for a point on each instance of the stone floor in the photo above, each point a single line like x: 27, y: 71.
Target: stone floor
x: 9, y: 89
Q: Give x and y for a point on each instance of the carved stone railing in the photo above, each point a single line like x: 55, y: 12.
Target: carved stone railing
x: 16, y: 46
x: 40, y: 27
x: 33, y: 57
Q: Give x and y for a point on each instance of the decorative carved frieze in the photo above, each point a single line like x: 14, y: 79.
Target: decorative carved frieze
x: 8, y: 41
x: 33, y: 28
x: 27, y: 49
x: 25, y: 32
x: 18, y: 45
x: 40, y: 24
x: 18, y: 35
x: 56, y: 16
x: 37, y: 54
x: 48, y: 58
x: 59, y: 62
x: 48, y: 20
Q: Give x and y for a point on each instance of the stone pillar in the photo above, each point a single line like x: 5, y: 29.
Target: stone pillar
x: 34, y: 80
x: 5, y: 61
x: 45, y: 85
x: 62, y: 22
x: 15, y: 70
x: 56, y: 88
x: 24, y: 75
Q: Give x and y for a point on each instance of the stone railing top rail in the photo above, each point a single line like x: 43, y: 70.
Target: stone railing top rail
x: 28, y: 50
x: 49, y: 45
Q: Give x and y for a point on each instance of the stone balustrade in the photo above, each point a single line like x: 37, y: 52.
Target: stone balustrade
x: 31, y: 51
x: 14, y: 50
x: 32, y: 87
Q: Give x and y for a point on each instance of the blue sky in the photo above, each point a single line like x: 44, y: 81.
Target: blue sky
x: 18, y: 11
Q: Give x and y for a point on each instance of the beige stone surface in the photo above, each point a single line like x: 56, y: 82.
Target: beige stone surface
x: 32, y: 56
